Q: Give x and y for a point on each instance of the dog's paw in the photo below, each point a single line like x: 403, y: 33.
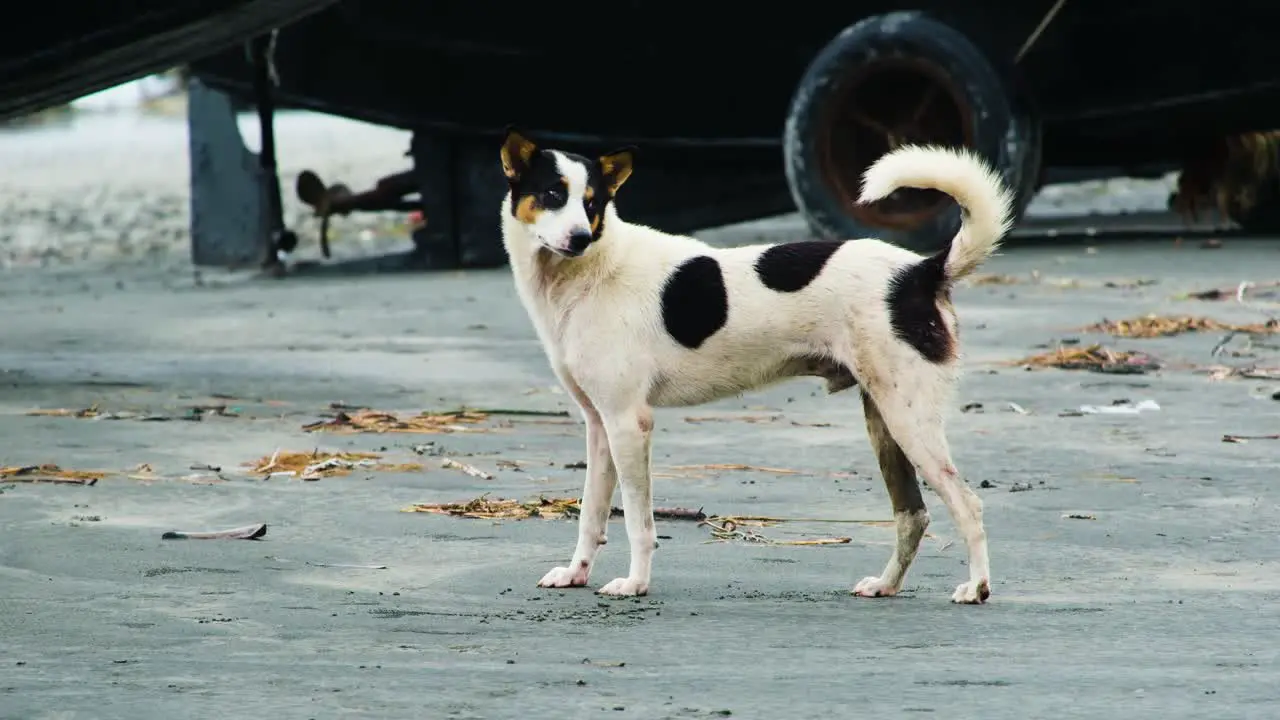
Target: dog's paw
x: 974, y: 592
x: 563, y: 577
x: 625, y: 587
x: 874, y: 587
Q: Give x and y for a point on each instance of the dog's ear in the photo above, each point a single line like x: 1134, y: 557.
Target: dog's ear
x: 517, y: 152
x: 616, y: 167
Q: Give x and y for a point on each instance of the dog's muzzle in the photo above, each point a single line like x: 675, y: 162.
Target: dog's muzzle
x: 579, y: 241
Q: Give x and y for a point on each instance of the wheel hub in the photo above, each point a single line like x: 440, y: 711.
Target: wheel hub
x: 881, y: 106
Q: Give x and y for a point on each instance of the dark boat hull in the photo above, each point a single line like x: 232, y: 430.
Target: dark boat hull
x: 1144, y: 74
x: 53, y: 52
x: 740, y: 116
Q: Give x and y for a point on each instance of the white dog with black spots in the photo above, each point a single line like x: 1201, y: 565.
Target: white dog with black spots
x: 632, y: 318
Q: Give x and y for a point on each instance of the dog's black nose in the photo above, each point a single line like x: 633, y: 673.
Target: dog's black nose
x: 578, y: 241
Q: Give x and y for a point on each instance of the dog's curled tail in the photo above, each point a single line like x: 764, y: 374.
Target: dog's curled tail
x: 964, y: 176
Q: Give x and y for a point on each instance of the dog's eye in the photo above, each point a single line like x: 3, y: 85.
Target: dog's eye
x: 554, y: 195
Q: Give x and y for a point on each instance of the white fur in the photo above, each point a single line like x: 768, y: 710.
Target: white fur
x: 598, y: 317
x: 960, y: 174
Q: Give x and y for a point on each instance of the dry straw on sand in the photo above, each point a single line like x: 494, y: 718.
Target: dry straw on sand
x: 1093, y: 357
x: 374, y: 421
x: 49, y: 473
x: 316, y: 464
x: 1153, y: 326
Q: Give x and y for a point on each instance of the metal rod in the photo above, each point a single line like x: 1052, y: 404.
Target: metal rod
x: 263, y: 99
x: 1035, y: 34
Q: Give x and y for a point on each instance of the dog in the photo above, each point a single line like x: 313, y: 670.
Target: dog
x: 632, y: 318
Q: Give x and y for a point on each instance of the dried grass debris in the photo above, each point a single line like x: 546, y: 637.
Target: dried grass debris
x: 93, y: 412
x: 315, y: 465
x: 1154, y: 326
x: 737, y: 467
x: 486, y: 508
x: 350, y: 419
x: 375, y: 421
x: 1094, y: 358
x: 90, y: 412
x: 49, y: 473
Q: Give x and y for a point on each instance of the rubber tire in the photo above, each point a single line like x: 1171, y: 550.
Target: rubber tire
x: 1263, y: 216
x: 1003, y: 136
x: 1030, y: 131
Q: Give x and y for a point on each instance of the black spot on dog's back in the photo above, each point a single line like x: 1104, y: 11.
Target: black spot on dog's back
x: 790, y: 267
x: 695, y: 302
x: 914, y: 293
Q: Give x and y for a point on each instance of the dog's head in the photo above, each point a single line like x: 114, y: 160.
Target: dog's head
x: 560, y: 198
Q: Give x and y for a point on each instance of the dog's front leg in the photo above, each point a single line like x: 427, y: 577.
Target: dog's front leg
x: 602, y: 478
x: 630, y: 433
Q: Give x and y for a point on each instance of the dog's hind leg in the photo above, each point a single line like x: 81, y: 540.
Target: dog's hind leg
x: 909, y: 513
x: 912, y: 410
x: 597, y: 492
x: 630, y: 432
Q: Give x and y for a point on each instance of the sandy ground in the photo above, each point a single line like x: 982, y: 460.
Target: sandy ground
x: 1162, y: 606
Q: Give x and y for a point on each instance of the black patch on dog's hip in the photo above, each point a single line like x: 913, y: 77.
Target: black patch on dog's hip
x: 695, y: 302
x: 914, y: 292
x: 790, y: 267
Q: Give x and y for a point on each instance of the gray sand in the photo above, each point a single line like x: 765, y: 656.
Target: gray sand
x: 1164, y: 606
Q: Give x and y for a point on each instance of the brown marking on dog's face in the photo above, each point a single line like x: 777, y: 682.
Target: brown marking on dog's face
x: 527, y: 210
x: 537, y: 192
x: 644, y: 418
